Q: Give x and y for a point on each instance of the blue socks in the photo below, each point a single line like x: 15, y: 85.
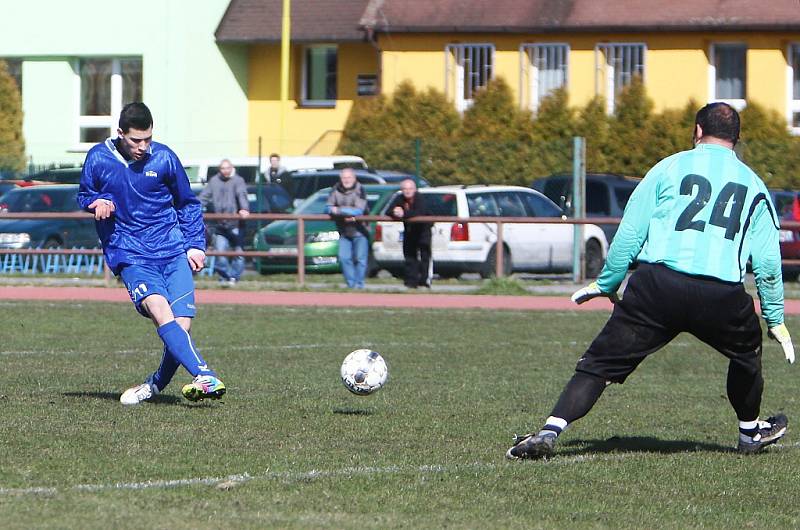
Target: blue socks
x: 180, y: 348
x: 166, y: 370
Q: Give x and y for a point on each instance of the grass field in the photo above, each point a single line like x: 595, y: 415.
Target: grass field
x: 290, y: 448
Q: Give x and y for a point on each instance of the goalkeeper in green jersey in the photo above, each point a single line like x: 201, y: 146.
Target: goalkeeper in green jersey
x: 692, y: 224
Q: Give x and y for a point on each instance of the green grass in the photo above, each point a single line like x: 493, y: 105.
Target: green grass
x: 290, y: 448
x: 502, y: 286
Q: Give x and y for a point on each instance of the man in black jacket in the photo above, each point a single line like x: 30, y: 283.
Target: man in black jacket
x: 416, y: 236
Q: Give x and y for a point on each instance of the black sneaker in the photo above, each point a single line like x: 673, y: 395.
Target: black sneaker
x: 532, y: 446
x: 769, y: 432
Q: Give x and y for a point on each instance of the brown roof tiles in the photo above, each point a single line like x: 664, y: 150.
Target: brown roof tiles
x: 346, y: 20
x: 312, y: 20
x: 580, y: 15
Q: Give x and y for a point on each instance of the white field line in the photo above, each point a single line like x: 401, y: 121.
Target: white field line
x: 328, y: 346
x: 294, y: 476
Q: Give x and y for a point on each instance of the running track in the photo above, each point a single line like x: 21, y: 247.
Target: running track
x: 328, y: 299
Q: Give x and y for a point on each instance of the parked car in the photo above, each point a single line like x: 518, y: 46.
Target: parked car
x: 321, y: 238
x: 398, y: 176
x: 6, y: 185
x: 302, y: 184
x: 606, y: 195
x: 248, y: 168
x: 784, y: 201
x: 273, y: 199
x: 59, y: 175
x: 47, y: 233
x: 466, y: 246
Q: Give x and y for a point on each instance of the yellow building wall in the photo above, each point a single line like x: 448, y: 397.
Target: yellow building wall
x: 676, y: 64
x: 308, y: 130
x: 676, y: 70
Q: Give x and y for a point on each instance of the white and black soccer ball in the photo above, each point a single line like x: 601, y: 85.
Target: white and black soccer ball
x: 364, y: 371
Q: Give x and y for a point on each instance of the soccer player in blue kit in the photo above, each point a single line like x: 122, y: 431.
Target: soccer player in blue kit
x: 150, y: 225
x: 692, y: 222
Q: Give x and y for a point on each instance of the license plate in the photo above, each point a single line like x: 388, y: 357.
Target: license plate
x: 284, y: 251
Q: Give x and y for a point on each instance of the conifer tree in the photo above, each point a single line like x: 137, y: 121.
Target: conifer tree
x: 496, y: 139
x: 12, y: 144
x: 626, y: 142
x: 767, y: 146
x: 552, y: 132
x: 593, y: 124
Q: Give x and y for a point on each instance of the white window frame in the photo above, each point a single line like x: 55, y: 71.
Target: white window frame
x: 112, y: 120
x: 455, y: 76
x: 605, y: 58
x: 738, y: 104
x: 530, y: 56
x: 304, y: 99
x: 792, y: 102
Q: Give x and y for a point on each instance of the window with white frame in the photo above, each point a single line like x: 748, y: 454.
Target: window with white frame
x: 544, y: 69
x: 727, y: 76
x: 469, y: 67
x: 616, y: 65
x: 793, y: 88
x: 106, y: 85
x: 319, y: 75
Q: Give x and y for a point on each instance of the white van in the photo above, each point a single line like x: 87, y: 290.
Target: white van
x: 203, y: 169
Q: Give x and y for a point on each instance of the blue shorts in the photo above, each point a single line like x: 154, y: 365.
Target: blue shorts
x: 172, y: 280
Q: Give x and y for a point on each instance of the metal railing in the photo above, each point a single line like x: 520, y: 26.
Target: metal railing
x: 499, y: 222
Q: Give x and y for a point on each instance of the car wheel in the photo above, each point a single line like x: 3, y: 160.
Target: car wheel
x: 449, y: 275
x: 594, y: 258
x: 489, y: 266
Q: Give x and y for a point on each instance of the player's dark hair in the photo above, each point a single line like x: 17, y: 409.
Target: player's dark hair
x: 719, y: 120
x: 135, y: 115
x: 274, y: 155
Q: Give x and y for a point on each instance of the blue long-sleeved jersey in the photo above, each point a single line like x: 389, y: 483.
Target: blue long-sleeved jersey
x: 156, y: 217
x: 702, y: 212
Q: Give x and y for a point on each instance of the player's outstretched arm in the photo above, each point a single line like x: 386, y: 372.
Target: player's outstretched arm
x: 592, y: 291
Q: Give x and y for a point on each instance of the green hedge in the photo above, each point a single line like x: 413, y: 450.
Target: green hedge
x: 494, y: 141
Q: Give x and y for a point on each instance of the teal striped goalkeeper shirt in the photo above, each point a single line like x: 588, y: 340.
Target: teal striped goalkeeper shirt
x: 702, y: 212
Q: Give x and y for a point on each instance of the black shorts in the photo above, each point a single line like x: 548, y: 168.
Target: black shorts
x: 658, y: 304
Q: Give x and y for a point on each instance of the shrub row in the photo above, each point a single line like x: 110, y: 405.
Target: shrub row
x: 496, y: 141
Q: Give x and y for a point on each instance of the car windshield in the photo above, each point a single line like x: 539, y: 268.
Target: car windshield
x: 31, y: 201
x: 441, y: 203
x: 316, y: 203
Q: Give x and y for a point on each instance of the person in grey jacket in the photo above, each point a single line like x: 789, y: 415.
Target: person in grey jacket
x: 226, y: 192
x: 348, y: 199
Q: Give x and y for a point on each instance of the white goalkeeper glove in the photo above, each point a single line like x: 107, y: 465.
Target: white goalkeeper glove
x: 781, y: 334
x: 592, y: 291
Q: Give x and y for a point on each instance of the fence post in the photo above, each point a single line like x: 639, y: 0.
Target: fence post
x: 578, y: 206
x: 301, y: 251
x: 498, y: 252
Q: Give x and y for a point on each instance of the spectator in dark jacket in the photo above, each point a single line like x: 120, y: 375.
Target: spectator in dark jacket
x: 416, y: 236
x: 348, y: 199
x: 226, y: 192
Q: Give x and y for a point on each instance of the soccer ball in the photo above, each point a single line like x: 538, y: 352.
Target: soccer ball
x: 364, y: 371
